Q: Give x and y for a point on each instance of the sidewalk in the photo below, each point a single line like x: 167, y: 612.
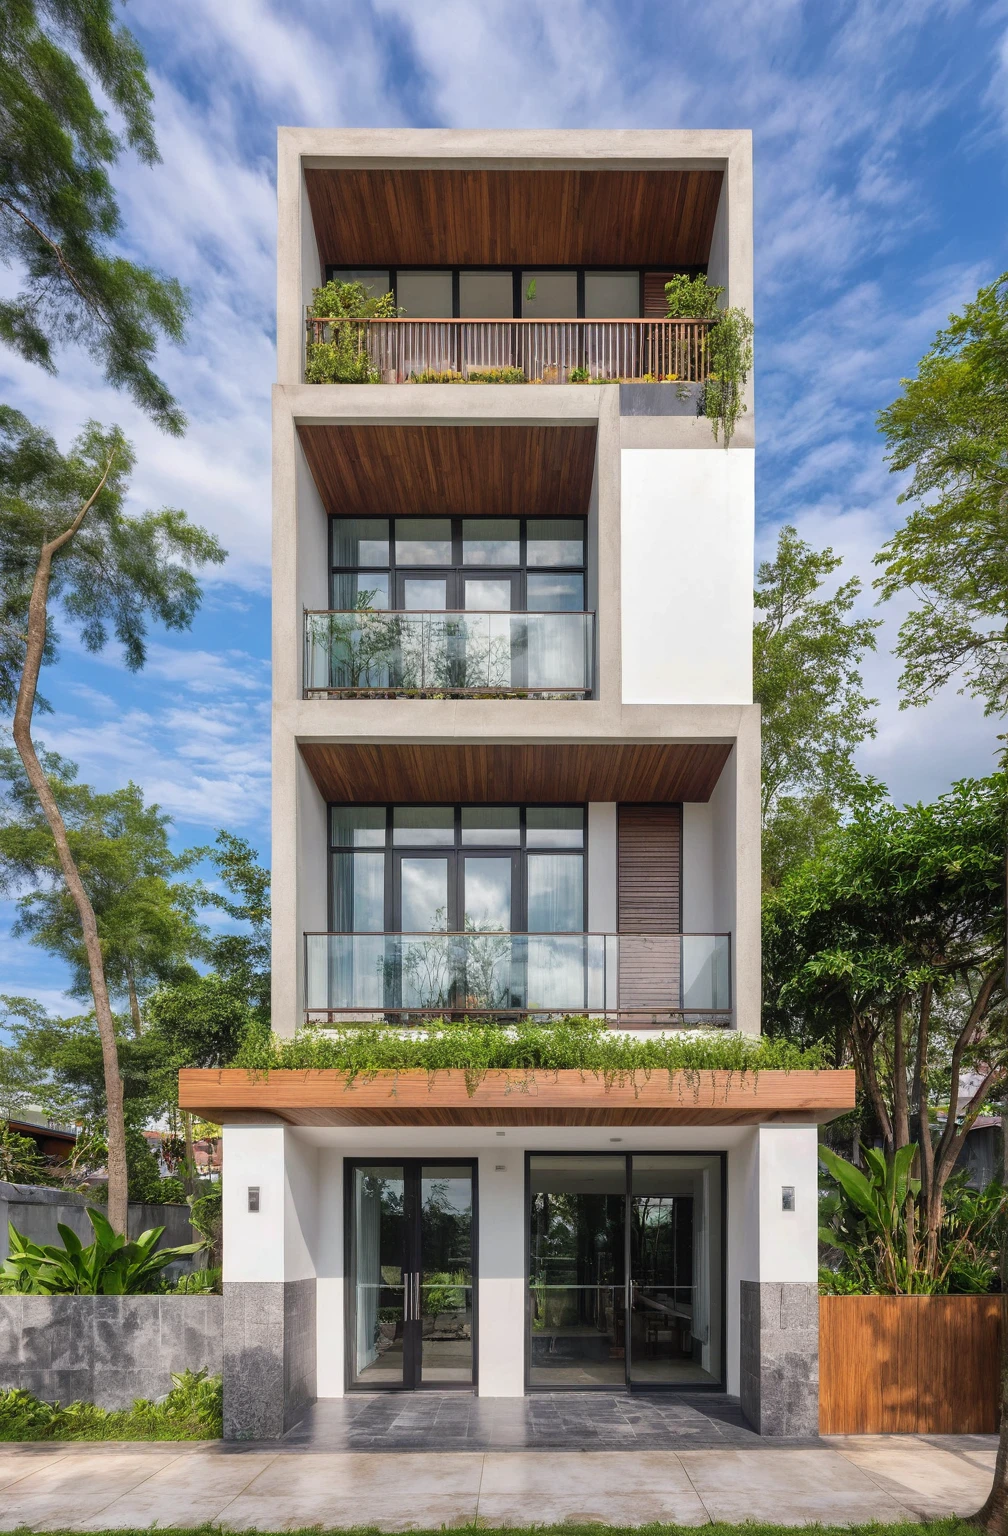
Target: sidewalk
x: 842, y: 1480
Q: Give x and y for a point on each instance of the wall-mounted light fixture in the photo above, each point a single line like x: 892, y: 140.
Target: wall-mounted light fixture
x: 787, y: 1197
x: 253, y: 1197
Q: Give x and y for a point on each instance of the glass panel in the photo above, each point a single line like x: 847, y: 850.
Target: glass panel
x: 576, y: 1271
x: 359, y: 589
x: 486, y: 296
x: 490, y: 541
x: 487, y: 901
x: 555, y: 541
x: 675, y: 1270
x: 358, y: 888
x: 555, y: 826
x: 423, y: 594
x: 423, y: 541
x: 493, y: 596
x: 376, y: 283
x: 424, y: 895
x: 612, y: 295
x: 379, y: 1288
x: 423, y: 826
x: 549, y: 295
x: 555, y: 893
x: 424, y: 295
x: 357, y: 826
x: 446, y: 1274
x: 555, y: 593
x: 491, y: 826
x: 706, y: 970
x: 360, y: 540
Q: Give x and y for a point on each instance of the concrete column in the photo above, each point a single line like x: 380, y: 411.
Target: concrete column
x: 270, y: 1242
x: 501, y: 1261
x: 779, y: 1292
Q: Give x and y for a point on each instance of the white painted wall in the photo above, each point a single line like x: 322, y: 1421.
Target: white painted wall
x: 312, y: 541
x: 698, y: 868
x: 687, y: 529
x: 329, y: 1292
x: 602, y: 867
x: 501, y: 1258
x: 788, y: 1240
x: 277, y: 1242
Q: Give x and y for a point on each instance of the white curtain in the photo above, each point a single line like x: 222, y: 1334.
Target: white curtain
x: 368, y: 1277
x: 700, y: 1326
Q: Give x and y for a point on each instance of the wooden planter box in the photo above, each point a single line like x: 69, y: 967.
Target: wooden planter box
x: 909, y: 1364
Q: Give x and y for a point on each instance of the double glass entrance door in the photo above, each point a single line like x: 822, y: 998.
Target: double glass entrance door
x: 411, y: 1297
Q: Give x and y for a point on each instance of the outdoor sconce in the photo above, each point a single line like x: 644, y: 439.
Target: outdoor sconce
x: 787, y: 1197
x: 253, y: 1197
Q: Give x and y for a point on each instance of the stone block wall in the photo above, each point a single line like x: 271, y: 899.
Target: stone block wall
x: 269, y: 1356
x: 107, y: 1349
x: 779, y: 1331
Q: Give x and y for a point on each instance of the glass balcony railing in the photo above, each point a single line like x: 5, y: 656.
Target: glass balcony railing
x: 656, y: 976
x: 455, y: 655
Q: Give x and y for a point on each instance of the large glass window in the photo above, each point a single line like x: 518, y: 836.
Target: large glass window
x: 424, y: 295
x: 507, y: 293
x: 471, y: 564
x: 486, y: 295
x: 442, y: 868
x: 625, y: 1270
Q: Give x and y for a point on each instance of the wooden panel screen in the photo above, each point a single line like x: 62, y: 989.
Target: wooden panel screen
x: 926, y: 1365
x: 655, y: 304
x: 649, y: 902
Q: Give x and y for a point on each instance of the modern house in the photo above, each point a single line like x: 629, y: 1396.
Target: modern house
x: 516, y: 770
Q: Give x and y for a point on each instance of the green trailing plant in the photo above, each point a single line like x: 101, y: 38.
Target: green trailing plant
x: 110, y: 1266
x: 192, y: 1410
x: 343, y: 356
x: 691, y: 298
x: 870, y: 1227
x: 476, y: 1047
x: 730, y: 360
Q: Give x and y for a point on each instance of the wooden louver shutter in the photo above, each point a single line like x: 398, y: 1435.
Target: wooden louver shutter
x: 655, y: 305
x: 649, y: 843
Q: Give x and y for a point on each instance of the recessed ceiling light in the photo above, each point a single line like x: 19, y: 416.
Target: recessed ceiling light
x: 500, y: 1133
x: 615, y: 1138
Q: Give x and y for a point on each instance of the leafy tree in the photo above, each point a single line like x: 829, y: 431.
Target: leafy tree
x: 65, y: 536
x: 949, y: 430
x: 64, y: 1060
x: 146, y: 918
x: 807, y: 652
x: 59, y: 217
x: 898, y: 920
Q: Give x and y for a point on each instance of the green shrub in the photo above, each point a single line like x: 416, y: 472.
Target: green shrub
x: 344, y: 357
x: 579, y: 376
x: 496, y: 376
x: 192, y: 1410
x: 207, y: 1216
x: 20, y: 1162
x: 199, y: 1282
x: 436, y: 376
x: 691, y: 298
x: 110, y: 1266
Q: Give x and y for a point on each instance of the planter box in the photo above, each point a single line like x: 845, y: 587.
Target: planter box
x: 107, y: 1349
x: 927, y: 1365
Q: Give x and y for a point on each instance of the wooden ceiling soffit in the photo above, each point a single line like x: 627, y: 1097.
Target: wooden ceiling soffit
x: 399, y: 217
x: 513, y: 1098
x: 530, y: 774
x: 451, y: 471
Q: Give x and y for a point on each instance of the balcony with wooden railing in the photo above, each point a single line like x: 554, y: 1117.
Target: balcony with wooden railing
x: 543, y: 351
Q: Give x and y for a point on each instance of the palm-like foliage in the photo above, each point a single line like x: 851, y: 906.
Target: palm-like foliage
x: 110, y: 1266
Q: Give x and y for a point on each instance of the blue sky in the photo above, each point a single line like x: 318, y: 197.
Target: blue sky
x: 880, y: 150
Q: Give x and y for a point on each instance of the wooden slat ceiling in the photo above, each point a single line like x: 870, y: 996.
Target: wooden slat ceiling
x: 532, y: 774
x: 513, y: 218
x: 551, y: 1098
x: 451, y: 471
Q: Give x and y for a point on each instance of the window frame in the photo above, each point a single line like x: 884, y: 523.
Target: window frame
x: 516, y: 280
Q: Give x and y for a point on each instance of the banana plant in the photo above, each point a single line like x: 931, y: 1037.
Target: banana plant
x: 109, y: 1266
x: 876, y: 1231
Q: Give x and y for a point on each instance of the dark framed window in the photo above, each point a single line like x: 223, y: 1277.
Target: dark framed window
x: 480, y: 564
x: 457, y: 868
x: 502, y: 293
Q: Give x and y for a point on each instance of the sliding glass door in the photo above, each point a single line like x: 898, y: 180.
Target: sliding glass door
x: 625, y: 1270
x: 411, y: 1298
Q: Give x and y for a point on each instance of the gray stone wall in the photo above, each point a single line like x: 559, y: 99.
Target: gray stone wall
x: 107, y: 1349
x: 779, y: 1336
x: 269, y: 1356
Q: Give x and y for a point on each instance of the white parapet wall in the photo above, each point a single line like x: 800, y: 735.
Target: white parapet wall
x: 686, y: 542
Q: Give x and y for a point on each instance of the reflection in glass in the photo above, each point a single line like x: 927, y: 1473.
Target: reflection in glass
x: 491, y: 826
x: 423, y: 541
x: 555, y: 593
x: 577, y: 1295
x: 555, y: 541
x: 425, y: 594
x: 424, y: 894
x: 555, y: 893
x: 555, y: 826
x: 360, y: 540
x: 379, y: 1256
x: 675, y: 1268
x: 488, y: 595
x: 357, y: 826
x: 358, y: 888
x: 446, y: 1276
x: 490, y: 541
x: 423, y: 826
x: 487, y: 882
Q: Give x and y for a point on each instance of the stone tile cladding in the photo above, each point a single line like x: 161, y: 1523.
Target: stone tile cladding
x: 779, y: 1326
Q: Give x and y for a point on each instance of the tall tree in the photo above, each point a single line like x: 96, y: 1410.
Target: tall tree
x: 59, y: 216
x: 146, y: 915
x: 807, y: 654
x: 66, y: 539
x: 948, y: 430
x: 890, y: 946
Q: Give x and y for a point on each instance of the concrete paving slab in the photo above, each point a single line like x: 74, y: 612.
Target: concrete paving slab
x: 189, y: 1491
x: 358, y: 1474
x: 614, y: 1487
x: 790, y: 1486
x: 929, y: 1477
x: 396, y: 1513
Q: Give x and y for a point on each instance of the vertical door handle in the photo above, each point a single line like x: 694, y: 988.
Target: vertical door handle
x: 416, y: 1296
x: 406, y: 1296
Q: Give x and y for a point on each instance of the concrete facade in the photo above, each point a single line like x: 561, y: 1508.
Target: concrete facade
x: 107, y: 1350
